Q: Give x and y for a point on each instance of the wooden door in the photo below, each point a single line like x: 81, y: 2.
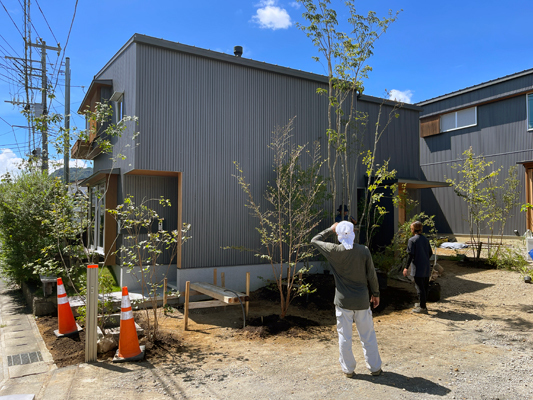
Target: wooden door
x: 529, y: 198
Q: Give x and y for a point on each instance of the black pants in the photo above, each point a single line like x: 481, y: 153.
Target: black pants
x: 422, y: 289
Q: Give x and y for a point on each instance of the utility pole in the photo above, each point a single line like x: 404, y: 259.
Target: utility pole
x: 44, y: 84
x: 66, y: 146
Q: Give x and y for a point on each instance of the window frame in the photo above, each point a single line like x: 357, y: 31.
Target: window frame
x: 461, y: 127
x: 96, y: 234
x: 528, y: 111
x: 119, y: 109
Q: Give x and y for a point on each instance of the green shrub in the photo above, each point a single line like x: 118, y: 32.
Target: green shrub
x: 511, y: 259
x: 25, y: 201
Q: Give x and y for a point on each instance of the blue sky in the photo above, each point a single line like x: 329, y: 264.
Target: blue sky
x: 432, y: 49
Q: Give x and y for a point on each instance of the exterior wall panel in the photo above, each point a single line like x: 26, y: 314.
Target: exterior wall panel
x: 122, y: 70
x: 199, y: 114
x: 500, y: 136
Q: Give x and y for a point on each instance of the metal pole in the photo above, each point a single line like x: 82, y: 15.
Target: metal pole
x: 91, y: 314
x: 66, y: 147
x: 44, y: 150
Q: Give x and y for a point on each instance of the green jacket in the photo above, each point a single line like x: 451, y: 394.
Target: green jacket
x: 353, y: 270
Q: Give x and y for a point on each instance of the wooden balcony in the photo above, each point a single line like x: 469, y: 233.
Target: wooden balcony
x: 83, y: 150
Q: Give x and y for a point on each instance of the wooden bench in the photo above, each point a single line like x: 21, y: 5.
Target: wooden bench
x: 221, y: 295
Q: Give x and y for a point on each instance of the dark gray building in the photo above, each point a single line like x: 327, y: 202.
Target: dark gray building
x: 198, y: 112
x: 495, y: 118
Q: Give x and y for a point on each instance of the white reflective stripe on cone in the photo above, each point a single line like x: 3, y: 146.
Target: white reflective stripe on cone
x: 62, y: 300
x: 125, y: 302
x: 126, y: 315
x: 61, y: 290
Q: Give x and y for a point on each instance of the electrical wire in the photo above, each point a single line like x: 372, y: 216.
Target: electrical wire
x: 5, y: 121
x: 31, y: 22
x: 9, y: 45
x: 9, y: 15
x: 66, y: 43
x: 45, y: 20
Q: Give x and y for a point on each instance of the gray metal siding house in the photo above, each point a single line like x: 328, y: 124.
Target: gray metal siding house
x: 199, y: 111
x: 492, y: 117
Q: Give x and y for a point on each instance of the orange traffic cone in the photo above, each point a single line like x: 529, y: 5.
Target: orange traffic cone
x: 65, y: 318
x: 128, y: 342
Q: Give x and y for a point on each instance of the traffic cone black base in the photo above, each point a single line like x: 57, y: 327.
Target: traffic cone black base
x: 70, y: 334
x: 118, y: 359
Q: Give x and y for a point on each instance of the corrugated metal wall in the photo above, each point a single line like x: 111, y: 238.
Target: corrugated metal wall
x: 202, y: 115
x: 500, y: 136
x: 148, y: 190
x: 491, y: 92
x: 123, y: 73
x: 198, y: 115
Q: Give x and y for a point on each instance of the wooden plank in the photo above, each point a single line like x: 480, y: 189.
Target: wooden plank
x: 222, y: 279
x: 180, y: 221
x: 206, y: 304
x: 218, y: 292
x: 215, y: 276
x: 186, y: 308
x: 430, y: 126
x: 165, y: 289
x: 247, y: 292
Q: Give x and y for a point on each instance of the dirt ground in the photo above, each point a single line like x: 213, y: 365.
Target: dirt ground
x: 475, y: 343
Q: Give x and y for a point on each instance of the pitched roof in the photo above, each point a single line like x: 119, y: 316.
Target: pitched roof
x: 151, y: 41
x: 475, y: 87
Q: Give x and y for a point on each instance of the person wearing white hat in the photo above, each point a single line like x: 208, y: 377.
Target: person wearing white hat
x: 354, y: 272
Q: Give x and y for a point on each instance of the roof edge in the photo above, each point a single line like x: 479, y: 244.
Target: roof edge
x: 476, y: 87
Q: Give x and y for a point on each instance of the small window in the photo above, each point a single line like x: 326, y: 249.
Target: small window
x: 119, y: 109
x: 459, y: 119
x: 118, y: 105
x: 530, y: 112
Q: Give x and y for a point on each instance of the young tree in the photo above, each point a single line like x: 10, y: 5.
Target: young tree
x: 294, y: 198
x: 379, y: 180
x: 345, y: 55
x: 143, y: 245
x: 473, y: 187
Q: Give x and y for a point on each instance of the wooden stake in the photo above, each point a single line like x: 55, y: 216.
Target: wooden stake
x: 223, y: 279
x: 165, y: 281
x: 247, y: 303
x: 215, y: 276
x: 186, y: 308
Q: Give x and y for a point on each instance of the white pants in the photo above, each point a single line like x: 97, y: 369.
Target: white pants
x: 367, y: 335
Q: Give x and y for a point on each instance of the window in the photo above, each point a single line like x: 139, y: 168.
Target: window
x: 529, y: 104
x: 119, y: 109
x: 118, y: 105
x: 459, y: 119
x: 97, y: 215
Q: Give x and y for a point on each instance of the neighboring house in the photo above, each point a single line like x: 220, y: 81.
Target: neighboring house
x: 199, y: 111
x: 496, y: 119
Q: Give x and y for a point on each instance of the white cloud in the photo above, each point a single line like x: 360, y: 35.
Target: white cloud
x: 270, y: 16
x: 398, y: 95
x: 9, y: 161
x: 295, y: 4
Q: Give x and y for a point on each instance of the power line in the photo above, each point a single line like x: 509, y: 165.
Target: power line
x: 31, y: 22
x: 57, y: 41
x: 9, y: 15
x: 66, y: 43
x: 5, y: 121
x: 9, y: 45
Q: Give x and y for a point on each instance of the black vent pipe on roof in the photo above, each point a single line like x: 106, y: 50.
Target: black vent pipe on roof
x: 237, y: 50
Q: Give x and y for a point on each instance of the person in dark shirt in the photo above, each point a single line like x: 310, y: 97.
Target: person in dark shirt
x: 344, y: 217
x: 419, y: 252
